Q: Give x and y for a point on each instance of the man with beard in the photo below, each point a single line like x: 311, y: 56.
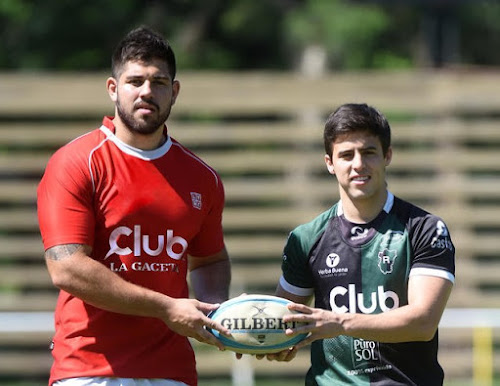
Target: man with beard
x: 125, y: 212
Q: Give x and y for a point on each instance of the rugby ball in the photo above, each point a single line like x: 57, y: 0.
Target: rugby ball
x: 256, y: 324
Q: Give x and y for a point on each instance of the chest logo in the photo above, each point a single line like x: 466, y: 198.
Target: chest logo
x: 386, y: 260
x: 332, y: 260
x: 174, y: 246
x: 196, y: 200
x: 343, y: 300
x: 358, y: 233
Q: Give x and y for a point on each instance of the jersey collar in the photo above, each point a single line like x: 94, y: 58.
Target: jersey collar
x: 109, y: 130
x: 389, y: 202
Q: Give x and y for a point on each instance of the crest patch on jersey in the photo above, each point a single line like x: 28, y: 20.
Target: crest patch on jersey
x: 386, y: 260
x: 196, y: 200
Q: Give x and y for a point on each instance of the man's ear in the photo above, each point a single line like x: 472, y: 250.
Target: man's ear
x: 112, y: 87
x: 176, y: 87
x: 329, y: 164
x: 388, y: 156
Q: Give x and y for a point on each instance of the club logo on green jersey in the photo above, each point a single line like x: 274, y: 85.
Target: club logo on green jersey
x: 386, y: 260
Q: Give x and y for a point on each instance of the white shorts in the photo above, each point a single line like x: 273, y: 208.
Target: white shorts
x: 108, y: 381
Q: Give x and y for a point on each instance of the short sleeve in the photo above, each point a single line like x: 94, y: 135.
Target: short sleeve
x: 433, y: 248
x: 294, y: 266
x: 64, y: 201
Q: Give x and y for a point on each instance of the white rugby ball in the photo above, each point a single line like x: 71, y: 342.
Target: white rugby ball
x: 256, y: 324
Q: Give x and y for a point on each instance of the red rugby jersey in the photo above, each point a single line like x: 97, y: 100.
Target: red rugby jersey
x: 142, y: 212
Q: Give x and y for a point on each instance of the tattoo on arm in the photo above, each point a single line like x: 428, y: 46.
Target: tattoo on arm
x: 63, y: 251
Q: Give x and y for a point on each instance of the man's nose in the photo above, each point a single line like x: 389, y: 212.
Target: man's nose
x: 357, y: 161
x: 146, y: 88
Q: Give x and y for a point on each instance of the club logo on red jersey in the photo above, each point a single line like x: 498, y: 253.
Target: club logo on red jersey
x: 196, y: 200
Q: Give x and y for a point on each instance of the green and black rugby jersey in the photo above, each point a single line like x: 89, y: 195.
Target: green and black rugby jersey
x: 364, y: 268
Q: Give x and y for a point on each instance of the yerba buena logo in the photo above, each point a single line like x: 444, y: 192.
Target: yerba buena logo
x: 332, y: 260
x: 174, y: 246
x: 332, y: 269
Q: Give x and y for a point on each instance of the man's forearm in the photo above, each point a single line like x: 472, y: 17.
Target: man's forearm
x: 210, y: 283
x: 75, y: 272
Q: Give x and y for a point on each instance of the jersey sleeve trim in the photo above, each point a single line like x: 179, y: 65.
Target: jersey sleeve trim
x: 90, y: 163
x: 299, y: 291
x: 432, y: 272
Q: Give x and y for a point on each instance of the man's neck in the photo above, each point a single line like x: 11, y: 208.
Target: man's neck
x: 362, y: 211
x: 140, y: 141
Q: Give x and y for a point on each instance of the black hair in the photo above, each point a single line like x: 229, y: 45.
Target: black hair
x: 143, y: 45
x: 352, y: 117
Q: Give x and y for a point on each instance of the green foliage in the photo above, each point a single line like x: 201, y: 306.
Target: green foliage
x: 240, y: 34
x: 481, y: 32
x: 348, y: 31
x: 390, y: 60
x: 15, y: 10
x: 57, y: 35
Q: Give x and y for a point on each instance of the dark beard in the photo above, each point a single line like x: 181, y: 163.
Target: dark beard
x: 141, y: 127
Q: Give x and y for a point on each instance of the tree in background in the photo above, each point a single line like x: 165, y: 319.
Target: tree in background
x: 247, y: 34
x: 480, y: 32
x: 334, y: 34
